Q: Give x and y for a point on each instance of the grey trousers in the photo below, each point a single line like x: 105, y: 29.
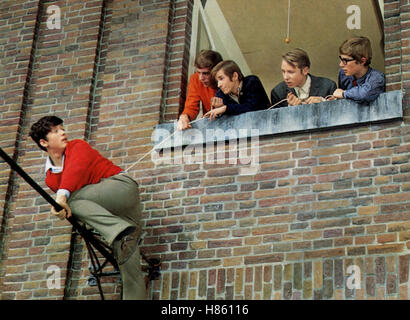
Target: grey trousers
x: 109, y: 207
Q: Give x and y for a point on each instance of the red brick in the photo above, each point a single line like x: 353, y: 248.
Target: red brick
x: 392, y: 198
x: 324, y: 253
x: 385, y: 248
x: 270, y: 258
x: 270, y: 230
x: 331, y: 168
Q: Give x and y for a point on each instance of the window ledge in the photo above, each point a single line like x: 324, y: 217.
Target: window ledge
x: 388, y: 106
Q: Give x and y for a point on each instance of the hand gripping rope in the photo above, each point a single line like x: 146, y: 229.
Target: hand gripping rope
x: 90, y: 240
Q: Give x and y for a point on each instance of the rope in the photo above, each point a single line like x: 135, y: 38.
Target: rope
x: 273, y: 106
x: 171, y: 135
x: 288, y: 30
x: 149, y: 152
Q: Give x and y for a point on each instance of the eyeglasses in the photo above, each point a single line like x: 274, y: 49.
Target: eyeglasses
x: 345, y: 61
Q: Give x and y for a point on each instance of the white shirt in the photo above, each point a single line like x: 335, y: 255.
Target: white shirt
x: 303, y: 92
x: 234, y: 97
x: 55, y: 169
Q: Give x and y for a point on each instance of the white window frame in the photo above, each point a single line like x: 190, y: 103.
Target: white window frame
x: 198, y: 13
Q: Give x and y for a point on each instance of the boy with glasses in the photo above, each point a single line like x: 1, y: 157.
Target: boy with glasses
x: 357, y: 80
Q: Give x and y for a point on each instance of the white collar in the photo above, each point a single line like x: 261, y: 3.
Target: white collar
x: 236, y: 97
x: 305, y: 88
x: 50, y: 165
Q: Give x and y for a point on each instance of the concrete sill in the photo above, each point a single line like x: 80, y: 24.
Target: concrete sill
x: 388, y: 106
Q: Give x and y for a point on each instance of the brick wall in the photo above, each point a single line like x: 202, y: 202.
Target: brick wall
x: 321, y: 202
x: 16, y: 42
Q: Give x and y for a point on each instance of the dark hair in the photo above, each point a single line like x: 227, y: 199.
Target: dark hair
x: 207, y: 59
x: 42, y: 127
x: 297, y: 58
x: 357, y: 48
x: 229, y: 67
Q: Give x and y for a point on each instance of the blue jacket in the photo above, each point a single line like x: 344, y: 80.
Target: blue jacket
x: 251, y: 98
x: 368, y: 87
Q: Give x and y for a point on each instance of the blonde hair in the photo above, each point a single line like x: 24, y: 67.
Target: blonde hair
x: 297, y: 58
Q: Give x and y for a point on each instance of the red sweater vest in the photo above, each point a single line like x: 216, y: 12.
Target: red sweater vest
x: 196, y: 93
x: 82, y: 166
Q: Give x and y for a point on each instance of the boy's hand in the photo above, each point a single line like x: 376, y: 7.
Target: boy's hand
x: 215, y: 113
x: 311, y: 100
x: 339, y: 93
x: 216, y: 102
x: 183, y: 122
x: 293, y: 100
x: 66, y: 212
